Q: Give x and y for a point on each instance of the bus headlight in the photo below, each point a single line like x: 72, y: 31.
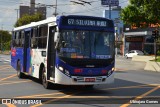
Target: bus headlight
x: 60, y: 68
x: 113, y: 69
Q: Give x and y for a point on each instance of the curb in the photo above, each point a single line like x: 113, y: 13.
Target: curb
x: 150, y: 65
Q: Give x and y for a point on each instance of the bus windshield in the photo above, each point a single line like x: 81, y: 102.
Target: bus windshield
x: 86, y: 44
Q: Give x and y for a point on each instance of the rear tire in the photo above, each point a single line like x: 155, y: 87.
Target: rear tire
x: 45, y: 83
x: 19, y: 73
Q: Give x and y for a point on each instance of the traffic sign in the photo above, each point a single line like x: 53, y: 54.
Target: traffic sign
x: 110, y: 2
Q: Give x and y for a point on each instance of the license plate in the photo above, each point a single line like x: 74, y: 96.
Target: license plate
x: 90, y: 79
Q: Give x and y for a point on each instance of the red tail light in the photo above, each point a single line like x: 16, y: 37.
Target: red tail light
x: 78, y: 70
x: 104, y: 71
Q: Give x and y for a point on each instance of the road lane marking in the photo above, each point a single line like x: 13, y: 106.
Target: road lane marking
x: 34, y: 96
x: 8, y: 77
x: 5, y: 68
x: 141, y: 96
x: 39, y: 95
x: 58, y: 98
x: 10, y: 105
x: 15, y: 82
x: 8, y: 73
x: 81, y: 97
x: 130, y: 86
x: 85, y: 97
x: 119, y: 69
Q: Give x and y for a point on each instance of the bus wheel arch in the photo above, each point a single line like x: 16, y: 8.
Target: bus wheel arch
x: 19, y: 73
x: 40, y: 71
x: 43, y: 77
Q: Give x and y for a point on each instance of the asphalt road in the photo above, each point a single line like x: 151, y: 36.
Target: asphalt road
x: 131, y: 83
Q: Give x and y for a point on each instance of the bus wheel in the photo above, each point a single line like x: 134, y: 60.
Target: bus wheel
x: 19, y: 73
x: 45, y: 83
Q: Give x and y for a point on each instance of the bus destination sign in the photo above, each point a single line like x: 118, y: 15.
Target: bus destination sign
x: 87, y: 22
x: 84, y: 22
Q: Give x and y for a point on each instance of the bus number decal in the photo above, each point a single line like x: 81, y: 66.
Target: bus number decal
x: 70, y: 21
x: 13, y: 52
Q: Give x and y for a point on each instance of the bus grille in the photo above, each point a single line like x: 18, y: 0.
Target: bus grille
x: 82, y: 79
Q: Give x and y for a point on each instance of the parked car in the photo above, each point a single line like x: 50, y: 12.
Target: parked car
x: 132, y: 53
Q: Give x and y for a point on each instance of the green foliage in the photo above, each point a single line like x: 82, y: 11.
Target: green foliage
x: 5, y: 37
x: 158, y: 52
x: 140, y: 11
x: 26, y: 19
x: 6, y: 46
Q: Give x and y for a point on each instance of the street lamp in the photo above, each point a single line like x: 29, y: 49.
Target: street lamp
x: 55, y: 9
x: 1, y: 43
x: 17, y: 12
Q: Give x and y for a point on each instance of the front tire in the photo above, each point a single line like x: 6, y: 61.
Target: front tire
x: 19, y: 73
x: 45, y: 83
x: 126, y: 57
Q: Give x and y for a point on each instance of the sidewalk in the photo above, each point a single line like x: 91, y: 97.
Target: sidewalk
x: 150, y: 65
x: 5, y: 52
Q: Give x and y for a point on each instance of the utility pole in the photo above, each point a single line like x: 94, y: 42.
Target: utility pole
x: 55, y: 9
x: 1, y: 37
x: 2, y: 27
x: 109, y: 11
x: 1, y: 43
x: 155, y: 35
x: 17, y: 12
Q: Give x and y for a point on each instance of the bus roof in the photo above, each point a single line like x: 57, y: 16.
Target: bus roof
x: 62, y: 22
x: 32, y: 24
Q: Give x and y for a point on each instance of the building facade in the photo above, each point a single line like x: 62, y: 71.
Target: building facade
x: 140, y: 39
x: 32, y: 9
x: 115, y: 16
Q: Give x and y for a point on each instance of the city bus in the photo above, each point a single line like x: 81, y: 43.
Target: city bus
x: 67, y: 50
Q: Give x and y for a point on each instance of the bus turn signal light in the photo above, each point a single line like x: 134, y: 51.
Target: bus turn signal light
x: 78, y: 70
x: 104, y: 71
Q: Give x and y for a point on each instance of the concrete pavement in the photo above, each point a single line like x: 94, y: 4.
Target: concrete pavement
x: 150, y: 65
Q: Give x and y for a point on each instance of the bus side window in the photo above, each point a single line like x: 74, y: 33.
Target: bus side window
x: 34, y: 39
x: 17, y: 39
x: 42, y: 40
x: 22, y: 38
x: 13, y: 39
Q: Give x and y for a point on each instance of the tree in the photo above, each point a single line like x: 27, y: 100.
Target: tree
x: 141, y: 13
x: 26, y: 19
x: 5, y: 38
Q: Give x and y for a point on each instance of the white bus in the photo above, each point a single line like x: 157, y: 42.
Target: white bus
x: 70, y: 50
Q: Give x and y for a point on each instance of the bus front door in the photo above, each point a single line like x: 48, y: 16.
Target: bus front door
x: 26, y: 54
x: 51, y: 54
